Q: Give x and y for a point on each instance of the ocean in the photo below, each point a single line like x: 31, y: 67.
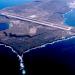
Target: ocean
x: 9, y: 3
x: 10, y: 61
x: 54, y: 58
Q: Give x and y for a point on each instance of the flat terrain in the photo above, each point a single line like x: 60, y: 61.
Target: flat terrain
x: 35, y: 24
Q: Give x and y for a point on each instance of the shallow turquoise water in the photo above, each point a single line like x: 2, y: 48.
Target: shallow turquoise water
x: 8, y: 3
x: 69, y: 18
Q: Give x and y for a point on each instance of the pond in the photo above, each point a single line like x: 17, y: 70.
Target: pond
x: 4, y: 26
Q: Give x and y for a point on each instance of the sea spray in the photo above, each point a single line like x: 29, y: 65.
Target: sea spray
x: 22, y: 67
x: 52, y: 43
x: 20, y: 57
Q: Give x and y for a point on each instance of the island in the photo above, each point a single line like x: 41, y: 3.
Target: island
x: 35, y: 24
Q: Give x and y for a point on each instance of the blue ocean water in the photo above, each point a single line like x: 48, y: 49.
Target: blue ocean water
x: 39, y: 60
x: 8, y: 3
x: 69, y: 18
x: 58, y: 57
x: 9, y: 61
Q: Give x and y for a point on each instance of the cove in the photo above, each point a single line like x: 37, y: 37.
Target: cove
x: 69, y: 18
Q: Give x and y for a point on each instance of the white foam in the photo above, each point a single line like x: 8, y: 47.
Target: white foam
x: 20, y: 59
x: 22, y: 67
x: 63, y: 39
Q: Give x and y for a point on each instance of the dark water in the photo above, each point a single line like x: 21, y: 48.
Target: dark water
x: 58, y: 58
x: 9, y: 63
x: 69, y: 18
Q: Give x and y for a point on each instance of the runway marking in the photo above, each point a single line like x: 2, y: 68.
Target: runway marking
x: 42, y: 23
